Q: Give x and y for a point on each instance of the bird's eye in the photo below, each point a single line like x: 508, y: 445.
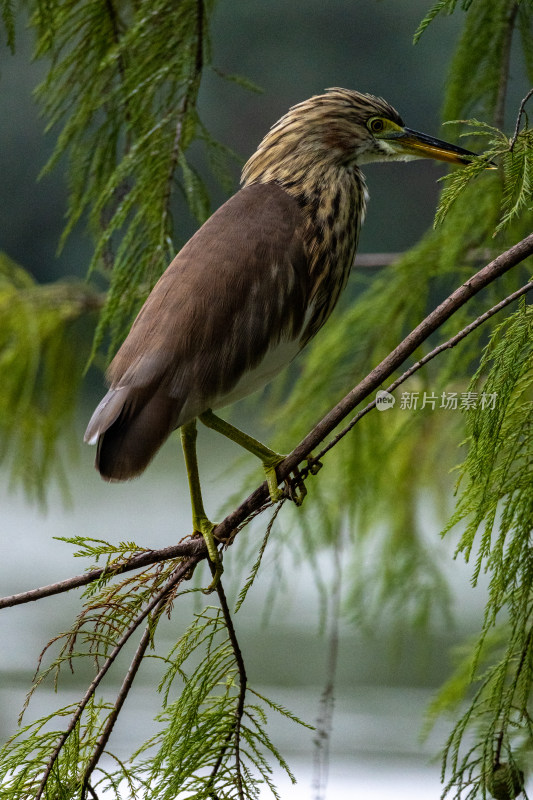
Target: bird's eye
x: 376, y: 125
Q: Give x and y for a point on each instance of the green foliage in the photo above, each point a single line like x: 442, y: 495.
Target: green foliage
x: 207, y: 745
x: 479, y: 68
x: 41, y: 363
x: 8, y: 18
x: 123, y: 83
x: 367, y: 485
x: 518, y: 172
x: 122, y: 90
x: 480, y: 213
x: 357, y: 481
x: 497, y: 506
x: 440, y: 7
x: 26, y: 755
x: 483, y: 743
x: 485, y: 41
x: 501, y: 440
x: 515, y: 158
x: 212, y: 737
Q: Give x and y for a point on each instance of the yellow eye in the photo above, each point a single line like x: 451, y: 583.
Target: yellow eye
x: 376, y: 125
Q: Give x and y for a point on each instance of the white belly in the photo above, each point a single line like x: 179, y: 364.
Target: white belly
x: 274, y: 361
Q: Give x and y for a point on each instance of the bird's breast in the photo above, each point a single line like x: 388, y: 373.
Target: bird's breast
x: 334, y: 221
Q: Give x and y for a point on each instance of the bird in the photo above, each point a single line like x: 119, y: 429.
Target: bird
x: 252, y: 286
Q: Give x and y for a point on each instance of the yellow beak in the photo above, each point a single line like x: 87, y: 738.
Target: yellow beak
x: 423, y: 146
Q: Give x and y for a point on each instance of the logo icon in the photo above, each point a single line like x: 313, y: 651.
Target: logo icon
x: 384, y: 400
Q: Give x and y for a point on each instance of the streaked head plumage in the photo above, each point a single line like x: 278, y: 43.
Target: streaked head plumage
x: 330, y: 129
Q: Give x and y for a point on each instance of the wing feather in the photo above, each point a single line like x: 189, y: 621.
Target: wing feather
x: 238, y: 288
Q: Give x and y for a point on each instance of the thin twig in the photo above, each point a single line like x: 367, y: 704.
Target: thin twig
x: 92, y: 792
x: 108, y: 256
x: 519, y: 119
x: 495, y: 269
x: 121, y: 697
x: 371, y: 261
x: 243, y: 681
x: 189, y: 97
x: 375, y: 260
x: 435, y: 352
x: 190, y: 547
x: 178, y: 574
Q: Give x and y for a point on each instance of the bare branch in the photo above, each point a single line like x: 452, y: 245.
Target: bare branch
x: 495, y: 269
x: 435, y: 352
x: 243, y: 682
x: 190, y: 547
x: 195, y: 548
x: 375, y: 260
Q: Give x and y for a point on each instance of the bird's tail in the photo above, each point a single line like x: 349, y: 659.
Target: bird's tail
x: 129, y: 429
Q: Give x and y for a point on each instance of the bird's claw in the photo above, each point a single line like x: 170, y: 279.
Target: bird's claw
x: 295, y: 488
x: 313, y: 465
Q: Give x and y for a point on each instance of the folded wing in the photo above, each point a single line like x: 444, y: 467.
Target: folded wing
x: 234, y: 293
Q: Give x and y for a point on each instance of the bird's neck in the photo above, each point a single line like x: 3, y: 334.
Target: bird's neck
x: 333, y: 199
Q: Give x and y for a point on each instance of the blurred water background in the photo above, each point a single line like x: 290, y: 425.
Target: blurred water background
x: 384, y: 682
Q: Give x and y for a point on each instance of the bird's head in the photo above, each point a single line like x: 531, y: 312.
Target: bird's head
x: 341, y: 129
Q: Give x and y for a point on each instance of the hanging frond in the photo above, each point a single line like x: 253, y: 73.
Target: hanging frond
x: 123, y: 83
x: 491, y: 738
x: 515, y: 157
x: 478, y: 70
x: 41, y: 363
x: 497, y: 506
x: 8, y: 18
x: 25, y: 757
x: 518, y: 178
x: 211, y: 742
x: 440, y: 7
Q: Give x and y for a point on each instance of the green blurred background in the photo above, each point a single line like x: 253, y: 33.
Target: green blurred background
x: 291, y: 50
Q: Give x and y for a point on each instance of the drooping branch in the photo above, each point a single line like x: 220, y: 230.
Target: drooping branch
x: 153, y: 606
x: 235, y: 731
x: 188, y: 101
x: 324, y: 723
x: 499, y: 108
x: 193, y: 550
x: 122, y: 695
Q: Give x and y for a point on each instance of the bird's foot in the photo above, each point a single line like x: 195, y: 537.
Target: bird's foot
x: 313, y: 465
x: 294, y: 485
x: 205, y: 527
x: 295, y: 488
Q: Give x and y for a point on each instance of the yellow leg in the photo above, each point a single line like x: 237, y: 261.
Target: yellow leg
x: 200, y: 521
x: 269, y: 457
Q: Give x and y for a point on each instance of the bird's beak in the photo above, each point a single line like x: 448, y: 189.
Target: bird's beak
x: 420, y: 145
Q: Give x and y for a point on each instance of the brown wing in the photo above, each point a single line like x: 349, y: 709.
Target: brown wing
x: 235, y: 289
